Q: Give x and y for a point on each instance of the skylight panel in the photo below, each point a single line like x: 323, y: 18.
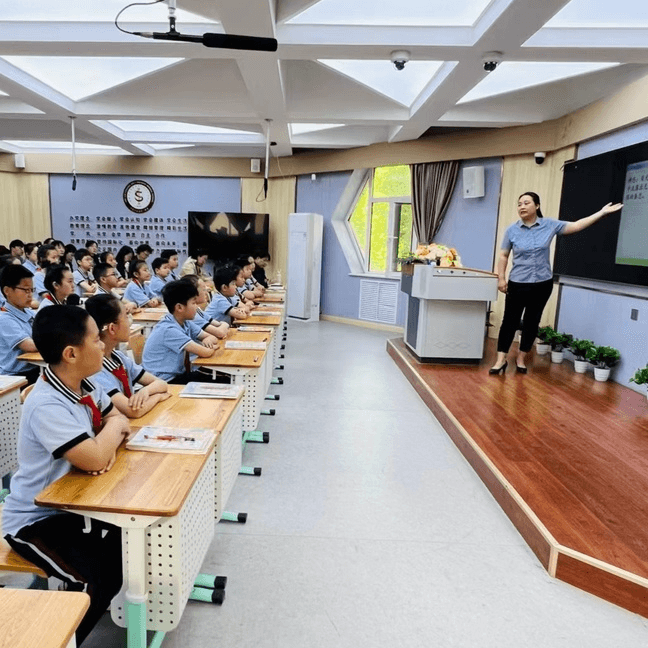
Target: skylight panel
x: 3, y: 94
x: 388, y: 12
x: 300, y: 129
x: 403, y: 86
x: 92, y: 11
x: 165, y: 147
x: 602, y: 13
x: 66, y: 146
x: 515, y: 75
x: 78, y: 77
x: 140, y: 126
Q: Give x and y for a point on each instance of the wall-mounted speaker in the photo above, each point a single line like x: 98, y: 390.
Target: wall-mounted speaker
x: 255, y: 165
x: 473, y: 182
x: 19, y: 160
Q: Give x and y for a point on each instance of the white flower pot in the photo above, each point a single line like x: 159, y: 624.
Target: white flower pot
x: 542, y: 349
x: 557, y: 357
x: 601, y: 374
x: 580, y: 366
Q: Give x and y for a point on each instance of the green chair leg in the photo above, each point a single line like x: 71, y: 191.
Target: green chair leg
x: 248, y: 470
x: 226, y: 516
x: 210, y: 581
x: 136, y: 625
x: 207, y: 595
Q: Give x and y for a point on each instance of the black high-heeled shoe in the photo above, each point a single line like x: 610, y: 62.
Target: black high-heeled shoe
x: 500, y: 370
x: 521, y: 370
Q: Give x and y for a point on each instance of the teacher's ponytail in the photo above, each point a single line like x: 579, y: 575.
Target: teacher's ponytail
x: 536, y: 199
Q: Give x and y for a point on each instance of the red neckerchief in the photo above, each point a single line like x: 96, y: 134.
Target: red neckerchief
x: 88, y: 401
x: 120, y: 374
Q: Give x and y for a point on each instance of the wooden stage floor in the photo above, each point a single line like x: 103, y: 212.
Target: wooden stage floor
x: 566, y: 458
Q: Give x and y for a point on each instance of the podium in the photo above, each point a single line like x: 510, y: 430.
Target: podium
x: 446, y: 311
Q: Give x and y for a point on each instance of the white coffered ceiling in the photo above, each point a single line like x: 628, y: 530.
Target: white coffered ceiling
x: 330, y: 84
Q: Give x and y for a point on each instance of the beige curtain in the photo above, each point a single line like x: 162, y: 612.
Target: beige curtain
x: 432, y: 187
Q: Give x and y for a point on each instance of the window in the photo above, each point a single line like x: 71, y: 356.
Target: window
x: 381, y: 219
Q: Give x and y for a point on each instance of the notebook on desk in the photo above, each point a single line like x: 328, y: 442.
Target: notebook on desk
x: 244, y: 345
x: 166, y: 439
x: 254, y: 329
x: 210, y: 390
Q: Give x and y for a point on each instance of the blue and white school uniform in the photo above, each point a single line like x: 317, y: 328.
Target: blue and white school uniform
x: 39, y: 285
x: 15, y: 327
x: 80, y: 276
x: 119, y: 374
x: 165, y: 347
x: 156, y: 284
x: 137, y: 293
x: 32, y: 267
x: 219, y: 307
x: 49, y: 300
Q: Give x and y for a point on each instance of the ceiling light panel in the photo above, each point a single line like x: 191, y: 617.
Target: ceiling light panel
x: 78, y: 77
x: 136, y: 125
x: 602, y: 13
x: 515, y: 75
x: 301, y: 128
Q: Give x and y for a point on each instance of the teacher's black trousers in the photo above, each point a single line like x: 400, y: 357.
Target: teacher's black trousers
x: 530, y: 298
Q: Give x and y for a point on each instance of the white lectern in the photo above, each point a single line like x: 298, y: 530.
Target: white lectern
x: 446, y: 311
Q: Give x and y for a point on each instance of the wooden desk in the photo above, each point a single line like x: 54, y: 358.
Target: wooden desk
x: 148, y: 318
x: 36, y: 618
x: 9, y: 421
x: 33, y: 357
x: 272, y: 298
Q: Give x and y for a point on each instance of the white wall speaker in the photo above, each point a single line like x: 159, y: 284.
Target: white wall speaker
x: 19, y: 160
x: 473, y: 182
x: 255, y: 165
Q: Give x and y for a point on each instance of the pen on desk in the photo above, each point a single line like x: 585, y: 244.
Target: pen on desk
x: 169, y: 437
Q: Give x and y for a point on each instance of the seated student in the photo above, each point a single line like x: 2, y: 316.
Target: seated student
x: 17, y: 249
x: 5, y: 260
x: 224, y: 304
x: 123, y: 257
x: 205, y: 323
x: 243, y: 302
x: 68, y: 257
x: 195, y: 266
x: 60, y: 285
x: 108, y: 257
x: 106, y: 278
x: 59, y: 246
x: 31, y: 257
x: 137, y: 291
x: 252, y: 290
x: 93, y: 248
x: 172, y: 257
x: 16, y: 320
x: 143, y: 252
x: 161, y: 272
x: 119, y: 372
x: 261, y: 260
x: 175, y: 334
x: 66, y: 421
x: 47, y: 256
x: 83, y: 279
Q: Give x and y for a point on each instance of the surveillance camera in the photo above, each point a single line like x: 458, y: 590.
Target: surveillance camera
x: 539, y: 157
x: 399, y: 58
x: 491, y: 60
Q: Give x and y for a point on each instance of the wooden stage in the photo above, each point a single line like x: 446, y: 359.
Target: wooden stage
x: 566, y: 458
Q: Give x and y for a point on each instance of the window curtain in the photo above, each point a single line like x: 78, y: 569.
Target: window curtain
x: 432, y: 187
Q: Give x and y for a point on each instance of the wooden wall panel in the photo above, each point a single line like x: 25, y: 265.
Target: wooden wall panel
x: 520, y: 173
x: 280, y: 203
x: 24, y: 207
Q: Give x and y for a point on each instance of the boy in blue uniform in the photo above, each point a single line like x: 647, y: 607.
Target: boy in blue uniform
x: 47, y: 256
x: 119, y: 373
x: 16, y: 319
x: 172, y: 257
x: 224, y: 303
x: 66, y: 422
x: 137, y: 291
x: 202, y: 320
x: 83, y: 279
x: 176, y: 334
x: 161, y: 272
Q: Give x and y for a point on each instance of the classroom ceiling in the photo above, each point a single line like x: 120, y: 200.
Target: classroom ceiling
x: 330, y: 85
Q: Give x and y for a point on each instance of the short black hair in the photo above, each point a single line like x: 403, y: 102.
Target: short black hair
x: 262, y: 254
x: 134, y: 267
x: 7, y: 259
x: 243, y: 260
x: 100, y: 270
x: 158, y: 263
x: 104, y: 309
x: 58, y: 327
x: 178, y: 292
x: 145, y: 247
x: 192, y: 279
x: 42, y: 252
x: 54, y: 275
x: 80, y: 253
x: 70, y: 248
x: 12, y: 275
x: 225, y: 275
x: 167, y: 254
x: 56, y: 243
x: 202, y: 252
x: 16, y: 243
x: 90, y: 242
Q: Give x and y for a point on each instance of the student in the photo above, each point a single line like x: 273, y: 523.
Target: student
x: 123, y: 257
x: 119, y: 372
x: 243, y: 302
x: 143, y: 252
x: 47, y: 256
x: 17, y: 249
x: 172, y: 257
x: 106, y: 277
x: 16, y: 318
x: 5, y: 260
x: 93, y: 248
x: 68, y: 256
x: 249, y: 289
x: 161, y: 271
x: 261, y: 261
x: 66, y: 421
x: 195, y: 266
x: 137, y: 291
x: 31, y: 257
x: 60, y: 285
x: 224, y: 304
x: 108, y: 257
x: 59, y: 246
x: 175, y: 334
x: 83, y: 279
x: 204, y: 322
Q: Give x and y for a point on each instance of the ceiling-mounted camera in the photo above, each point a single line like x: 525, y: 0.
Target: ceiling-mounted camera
x: 492, y: 60
x: 399, y: 58
x: 539, y: 157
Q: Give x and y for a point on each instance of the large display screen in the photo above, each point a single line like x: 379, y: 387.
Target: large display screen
x: 632, y: 244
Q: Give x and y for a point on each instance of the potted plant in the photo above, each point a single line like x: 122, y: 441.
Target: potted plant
x: 580, y: 348
x: 641, y: 377
x: 558, y: 341
x: 603, y: 358
x: 543, y: 346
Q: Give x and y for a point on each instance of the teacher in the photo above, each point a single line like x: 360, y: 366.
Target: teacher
x: 531, y: 280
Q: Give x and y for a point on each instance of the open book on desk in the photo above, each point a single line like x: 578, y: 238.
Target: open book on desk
x: 265, y: 313
x: 255, y: 329
x: 210, y: 390
x: 244, y: 345
x: 166, y: 439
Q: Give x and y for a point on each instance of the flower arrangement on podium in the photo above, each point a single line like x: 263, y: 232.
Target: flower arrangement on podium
x: 434, y: 254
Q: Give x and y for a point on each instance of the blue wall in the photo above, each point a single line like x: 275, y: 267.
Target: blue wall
x: 469, y: 225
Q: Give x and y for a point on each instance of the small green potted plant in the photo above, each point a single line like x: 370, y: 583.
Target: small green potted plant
x: 641, y: 377
x: 603, y: 358
x: 543, y: 347
x: 580, y: 348
x: 558, y: 342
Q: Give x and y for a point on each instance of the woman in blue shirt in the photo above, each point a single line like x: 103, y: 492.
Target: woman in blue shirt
x: 531, y: 280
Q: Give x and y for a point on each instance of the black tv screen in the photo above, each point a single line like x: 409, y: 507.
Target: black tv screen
x: 227, y: 235
x: 614, y: 248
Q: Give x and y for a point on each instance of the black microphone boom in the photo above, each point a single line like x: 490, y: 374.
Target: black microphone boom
x: 224, y: 41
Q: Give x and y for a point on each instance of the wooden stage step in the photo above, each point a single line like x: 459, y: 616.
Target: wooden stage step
x: 566, y: 458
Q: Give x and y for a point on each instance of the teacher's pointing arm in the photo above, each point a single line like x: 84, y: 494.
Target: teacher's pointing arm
x: 582, y: 223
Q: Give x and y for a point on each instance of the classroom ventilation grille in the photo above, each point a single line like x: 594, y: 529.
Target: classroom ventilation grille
x: 378, y: 301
